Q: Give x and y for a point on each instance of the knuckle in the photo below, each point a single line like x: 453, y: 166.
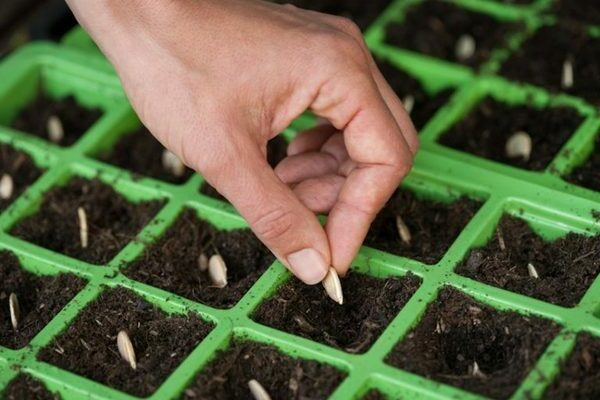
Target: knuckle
x: 349, y: 26
x: 274, y: 224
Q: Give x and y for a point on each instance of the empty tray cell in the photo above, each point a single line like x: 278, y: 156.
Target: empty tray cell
x: 467, y: 344
x: 586, y: 11
x: 25, y: 387
x: 160, y: 342
x: 283, y: 377
x: 111, y: 220
x: 519, y: 135
x: 172, y: 263
x: 17, y: 172
x: 369, y: 306
x: 588, y: 173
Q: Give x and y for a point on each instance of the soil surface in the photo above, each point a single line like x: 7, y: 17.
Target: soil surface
x: 283, y: 377
x: 369, y: 306
x: 580, y: 373
x: 76, y: 119
x: 586, y: 11
x: 433, y: 225
x: 374, y: 394
x: 588, y: 174
x: 566, y: 267
x: 21, y: 169
x: 40, y: 299
x: 25, y: 387
x: 172, y: 262
x: 141, y: 153
x: 276, y: 151
x: 434, y: 27
x: 540, y: 60
x: 457, y: 332
x: 88, y: 347
x: 486, y: 129
x: 112, y: 220
x: 404, y: 85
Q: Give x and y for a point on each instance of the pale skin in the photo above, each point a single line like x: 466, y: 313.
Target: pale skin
x: 214, y: 80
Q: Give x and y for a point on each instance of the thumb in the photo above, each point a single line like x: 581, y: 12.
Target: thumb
x: 291, y: 231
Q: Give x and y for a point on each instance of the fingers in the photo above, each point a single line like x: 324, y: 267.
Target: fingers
x: 310, y: 140
x: 319, y: 194
x: 303, y: 166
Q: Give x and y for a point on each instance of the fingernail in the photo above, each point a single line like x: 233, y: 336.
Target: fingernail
x: 308, y: 265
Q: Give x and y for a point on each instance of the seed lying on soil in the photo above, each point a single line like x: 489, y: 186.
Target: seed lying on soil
x: 409, y: 103
x: 333, y: 286
x: 217, y: 270
x: 126, y: 349
x: 568, y: 78
x: 519, y: 145
x: 83, y: 227
x: 55, y: 129
x: 202, y: 262
x: 6, y: 186
x: 15, y: 310
x: 172, y: 163
x: 465, y: 47
x: 403, y: 230
x: 532, y: 271
x: 475, y: 371
x: 257, y: 390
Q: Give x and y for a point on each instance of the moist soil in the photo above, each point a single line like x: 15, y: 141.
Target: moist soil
x: 580, y: 373
x: 172, y: 262
x: 88, y: 347
x: 362, y: 12
x: 283, y: 377
x: 434, y: 27
x: 276, y: 151
x: 404, y: 85
x: 369, y: 306
x: 588, y: 174
x: 540, y: 60
x: 433, y: 225
x: 141, y: 153
x: 112, y: 220
x: 586, y: 11
x: 374, y: 394
x: 486, y: 129
x: 76, y: 119
x: 21, y: 169
x: 40, y: 299
x: 24, y: 387
x: 456, y: 331
x: 566, y: 267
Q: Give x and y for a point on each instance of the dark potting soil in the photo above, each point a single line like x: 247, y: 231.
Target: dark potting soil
x: 21, y: 169
x: 374, y: 394
x: 362, y: 12
x: 486, y: 129
x: 588, y: 174
x: 276, y: 151
x: 141, y: 153
x: 172, y: 262
x: 456, y: 331
x: 586, y: 11
x: 369, y: 306
x: 24, y: 387
x: 40, y: 299
x: 540, y: 60
x: 88, y: 347
x: 75, y: 118
x: 567, y: 267
x: 283, y: 377
x: 433, y: 225
x: 434, y: 27
x: 580, y: 372
x: 404, y: 85
x: 112, y: 220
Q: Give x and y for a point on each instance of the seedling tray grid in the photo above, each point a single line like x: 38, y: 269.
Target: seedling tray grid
x: 551, y: 205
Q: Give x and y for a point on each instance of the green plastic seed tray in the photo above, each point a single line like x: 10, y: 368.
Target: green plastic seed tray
x: 544, y: 199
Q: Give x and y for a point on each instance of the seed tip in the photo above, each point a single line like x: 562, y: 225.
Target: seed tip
x: 15, y: 310
x: 333, y: 286
x: 6, y: 187
x: 403, y: 230
x: 519, y: 145
x: 55, y: 129
x: 532, y: 271
x: 126, y: 349
x: 217, y: 270
x: 257, y: 390
x: 465, y: 47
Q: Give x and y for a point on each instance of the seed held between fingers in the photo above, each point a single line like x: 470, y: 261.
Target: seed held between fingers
x: 6, y: 187
x: 333, y: 286
x: 15, y: 310
x: 519, y: 145
x: 217, y: 270
x: 258, y: 391
x: 55, y: 129
x: 126, y: 349
x: 83, y: 227
x: 465, y: 47
x: 172, y: 163
x: 403, y: 230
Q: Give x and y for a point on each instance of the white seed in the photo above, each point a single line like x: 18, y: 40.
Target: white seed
x: 83, y: 227
x: 333, y: 286
x: 55, y: 129
x: 7, y: 187
x: 465, y: 47
x: 475, y: 371
x: 568, y: 78
x: 15, y: 310
x: 403, y: 230
x: 126, y: 349
x: 258, y: 391
x: 519, y: 145
x: 202, y: 262
x: 409, y: 103
x: 172, y: 163
x: 217, y: 270
x: 532, y: 271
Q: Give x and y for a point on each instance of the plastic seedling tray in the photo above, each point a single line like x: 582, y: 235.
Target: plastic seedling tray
x: 549, y: 204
